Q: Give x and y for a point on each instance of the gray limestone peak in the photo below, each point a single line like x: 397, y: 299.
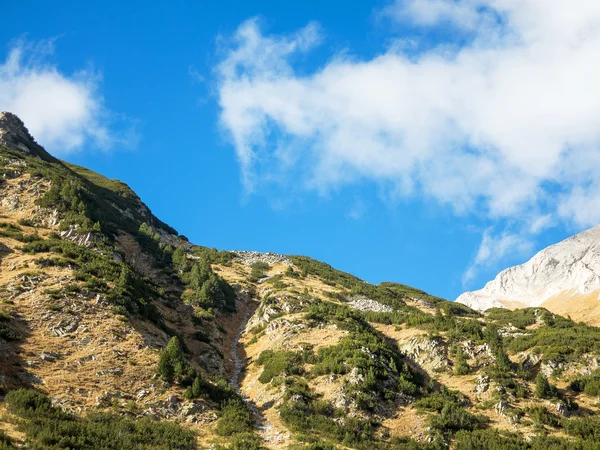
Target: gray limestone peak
x: 567, y: 269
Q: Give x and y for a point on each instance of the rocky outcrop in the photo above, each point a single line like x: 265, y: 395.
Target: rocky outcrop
x: 431, y: 353
x: 86, y: 239
x: 248, y: 258
x: 15, y: 136
x: 561, y: 409
x: 569, y: 268
x: 482, y: 384
x: 363, y: 303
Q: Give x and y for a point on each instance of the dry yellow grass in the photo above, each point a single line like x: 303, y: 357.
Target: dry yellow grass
x: 581, y: 308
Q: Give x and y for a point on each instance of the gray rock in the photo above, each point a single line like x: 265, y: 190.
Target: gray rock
x: 427, y: 351
x: 561, y: 408
x: 483, y: 384
x: 248, y: 258
x: 363, y: 303
x: 49, y: 356
x: 501, y: 406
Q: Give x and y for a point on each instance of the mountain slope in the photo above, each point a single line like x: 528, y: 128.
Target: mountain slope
x: 564, y: 277
x: 118, y: 333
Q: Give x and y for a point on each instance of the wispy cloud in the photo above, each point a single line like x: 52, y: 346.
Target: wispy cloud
x: 64, y: 112
x: 357, y: 210
x: 494, y: 248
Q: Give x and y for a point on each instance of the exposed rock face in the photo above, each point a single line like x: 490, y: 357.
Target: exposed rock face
x: 431, y: 353
x: 87, y: 239
x: 14, y: 135
x: 366, y: 304
x: 567, y: 270
x: 249, y: 258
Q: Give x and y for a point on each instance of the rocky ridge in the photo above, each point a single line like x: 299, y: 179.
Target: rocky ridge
x: 14, y: 135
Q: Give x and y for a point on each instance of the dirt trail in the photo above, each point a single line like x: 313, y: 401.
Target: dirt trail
x: 269, y: 432
x: 238, y: 355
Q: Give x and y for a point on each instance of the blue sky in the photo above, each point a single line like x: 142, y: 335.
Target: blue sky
x: 428, y: 142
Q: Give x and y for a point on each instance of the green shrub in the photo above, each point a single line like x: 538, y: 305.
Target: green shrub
x: 6, y: 443
x: 258, y: 271
x: 276, y: 363
x: 543, y: 388
x: 48, y: 428
x: 542, y: 416
x: 460, y: 363
x: 587, y: 428
x: 454, y: 418
x: 589, y: 384
x: 29, y: 403
x: 235, y: 418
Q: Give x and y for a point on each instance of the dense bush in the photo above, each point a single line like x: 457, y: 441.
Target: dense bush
x: 7, y: 328
x: 235, y: 418
x: 449, y: 411
x: 587, y: 428
x: 520, y: 318
x: 589, y: 384
x: 460, y: 363
x: 455, y: 418
x: 276, y: 363
x: 558, y: 339
x: 49, y: 428
x: 217, y: 390
x: 204, y: 288
x: 13, y: 231
x: 320, y: 418
x: 542, y: 416
x: 258, y: 271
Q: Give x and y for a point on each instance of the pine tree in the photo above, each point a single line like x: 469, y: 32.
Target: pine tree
x: 180, y: 259
x: 125, y: 280
x: 200, y: 273
x: 211, y: 293
x: 543, y: 389
x: 503, y: 363
x: 172, y: 362
x: 492, y: 337
x: 460, y: 363
x: 195, y: 390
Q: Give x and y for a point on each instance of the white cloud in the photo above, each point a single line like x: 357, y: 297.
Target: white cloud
x: 485, y: 128
x: 540, y: 223
x: 63, y: 112
x: 494, y: 248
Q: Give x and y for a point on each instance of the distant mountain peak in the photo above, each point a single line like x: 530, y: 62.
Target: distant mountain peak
x: 15, y: 136
x: 557, y: 277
